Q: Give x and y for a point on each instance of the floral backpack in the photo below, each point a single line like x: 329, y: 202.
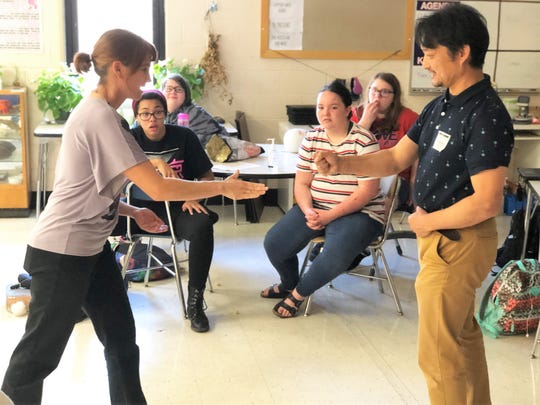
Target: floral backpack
x: 511, y: 304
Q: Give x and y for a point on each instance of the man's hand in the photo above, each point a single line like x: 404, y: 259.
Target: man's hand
x: 237, y: 189
x: 327, y: 162
x: 194, y: 206
x: 149, y: 221
x: 418, y: 222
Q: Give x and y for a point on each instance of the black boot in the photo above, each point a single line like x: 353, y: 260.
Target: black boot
x: 195, y: 310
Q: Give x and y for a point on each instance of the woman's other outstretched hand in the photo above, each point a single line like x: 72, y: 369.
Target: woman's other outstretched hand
x: 149, y: 221
x: 327, y: 162
x: 237, y: 189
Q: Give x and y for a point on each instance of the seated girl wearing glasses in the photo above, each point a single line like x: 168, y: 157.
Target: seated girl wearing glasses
x: 347, y: 209
x: 214, y: 137
x: 384, y: 115
x: 178, y: 155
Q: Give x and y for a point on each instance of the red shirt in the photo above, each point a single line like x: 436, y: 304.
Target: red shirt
x: 388, y: 139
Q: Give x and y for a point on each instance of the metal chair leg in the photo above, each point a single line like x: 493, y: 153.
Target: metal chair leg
x: 391, y: 229
x: 536, y: 340
x: 376, y: 270
x: 178, y: 280
x: 403, y: 216
x: 311, y: 245
x: 391, y: 282
x: 306, y: 258
x: 308, y: 305
x: 127, y: 258
x: 148, y: 261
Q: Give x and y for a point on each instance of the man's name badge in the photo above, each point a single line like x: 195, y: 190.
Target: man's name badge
x: 441, y: 141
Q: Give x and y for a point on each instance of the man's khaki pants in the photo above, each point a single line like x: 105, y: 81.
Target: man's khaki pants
x: 450, y: 344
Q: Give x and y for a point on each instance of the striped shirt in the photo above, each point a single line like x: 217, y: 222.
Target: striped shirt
x: 329, y: 191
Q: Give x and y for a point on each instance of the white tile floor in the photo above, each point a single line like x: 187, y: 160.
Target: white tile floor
x: 353, y: 349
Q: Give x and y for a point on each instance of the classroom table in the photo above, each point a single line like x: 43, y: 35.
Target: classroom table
x: 282, y: 166
x: 46, y: 133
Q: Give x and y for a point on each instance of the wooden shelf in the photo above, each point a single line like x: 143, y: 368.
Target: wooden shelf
x: 14, y: 182
x: 526, y: 127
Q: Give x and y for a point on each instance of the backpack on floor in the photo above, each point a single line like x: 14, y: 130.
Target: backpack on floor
x: 513, y: 244
x: 511, y: 304
x: 139, y: 260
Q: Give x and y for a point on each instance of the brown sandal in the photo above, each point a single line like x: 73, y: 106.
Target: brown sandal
x: 272, y: 293
x: 291, y: 309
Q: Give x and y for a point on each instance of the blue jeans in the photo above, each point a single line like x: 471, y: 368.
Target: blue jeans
x: 61, y: 284
x: 345, y: 238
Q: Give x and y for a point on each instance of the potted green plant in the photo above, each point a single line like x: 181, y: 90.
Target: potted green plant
x: 192, y: 73
x: 58, y: 91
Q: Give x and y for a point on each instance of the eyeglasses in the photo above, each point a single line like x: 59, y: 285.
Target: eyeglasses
x: 158, y: 115
x: 381, y: 92
x: 176, y: 90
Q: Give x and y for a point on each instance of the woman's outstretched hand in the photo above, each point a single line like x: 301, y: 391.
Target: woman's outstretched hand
x: 237, y: 189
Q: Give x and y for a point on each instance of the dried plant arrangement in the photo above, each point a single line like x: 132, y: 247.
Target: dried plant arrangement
x: 214, y: 72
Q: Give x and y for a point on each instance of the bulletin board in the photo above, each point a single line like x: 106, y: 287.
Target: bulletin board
x: 343, y: 29
x: 513, y: 56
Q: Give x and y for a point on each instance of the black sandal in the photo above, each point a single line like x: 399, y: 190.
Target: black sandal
x: 291, y: 309
x: 281, y: 293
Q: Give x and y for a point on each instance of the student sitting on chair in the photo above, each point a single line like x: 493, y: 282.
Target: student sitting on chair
x: 178, y: 153
x: 389, y: 120
x: 220, y: 146
x: 348, y: 210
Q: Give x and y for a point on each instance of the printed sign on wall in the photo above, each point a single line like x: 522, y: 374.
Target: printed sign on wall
x: 20, y: 26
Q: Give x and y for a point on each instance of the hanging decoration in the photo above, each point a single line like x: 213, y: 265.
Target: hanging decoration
x: 215, y: 74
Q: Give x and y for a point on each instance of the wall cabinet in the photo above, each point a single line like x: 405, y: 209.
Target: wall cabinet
x: 14, y: 181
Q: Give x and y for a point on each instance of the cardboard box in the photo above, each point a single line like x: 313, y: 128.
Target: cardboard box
x: 16, y: 295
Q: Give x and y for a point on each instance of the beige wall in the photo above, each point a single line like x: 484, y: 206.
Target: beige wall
x: 260, y: 87
x: 27, y: 66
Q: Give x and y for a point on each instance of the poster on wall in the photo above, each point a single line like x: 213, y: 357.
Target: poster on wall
x: 286, y: 19
x: 20, y: 26
x: 514, y: 49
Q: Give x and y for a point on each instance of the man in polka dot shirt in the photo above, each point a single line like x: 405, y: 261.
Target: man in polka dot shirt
x: 463, y: 140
